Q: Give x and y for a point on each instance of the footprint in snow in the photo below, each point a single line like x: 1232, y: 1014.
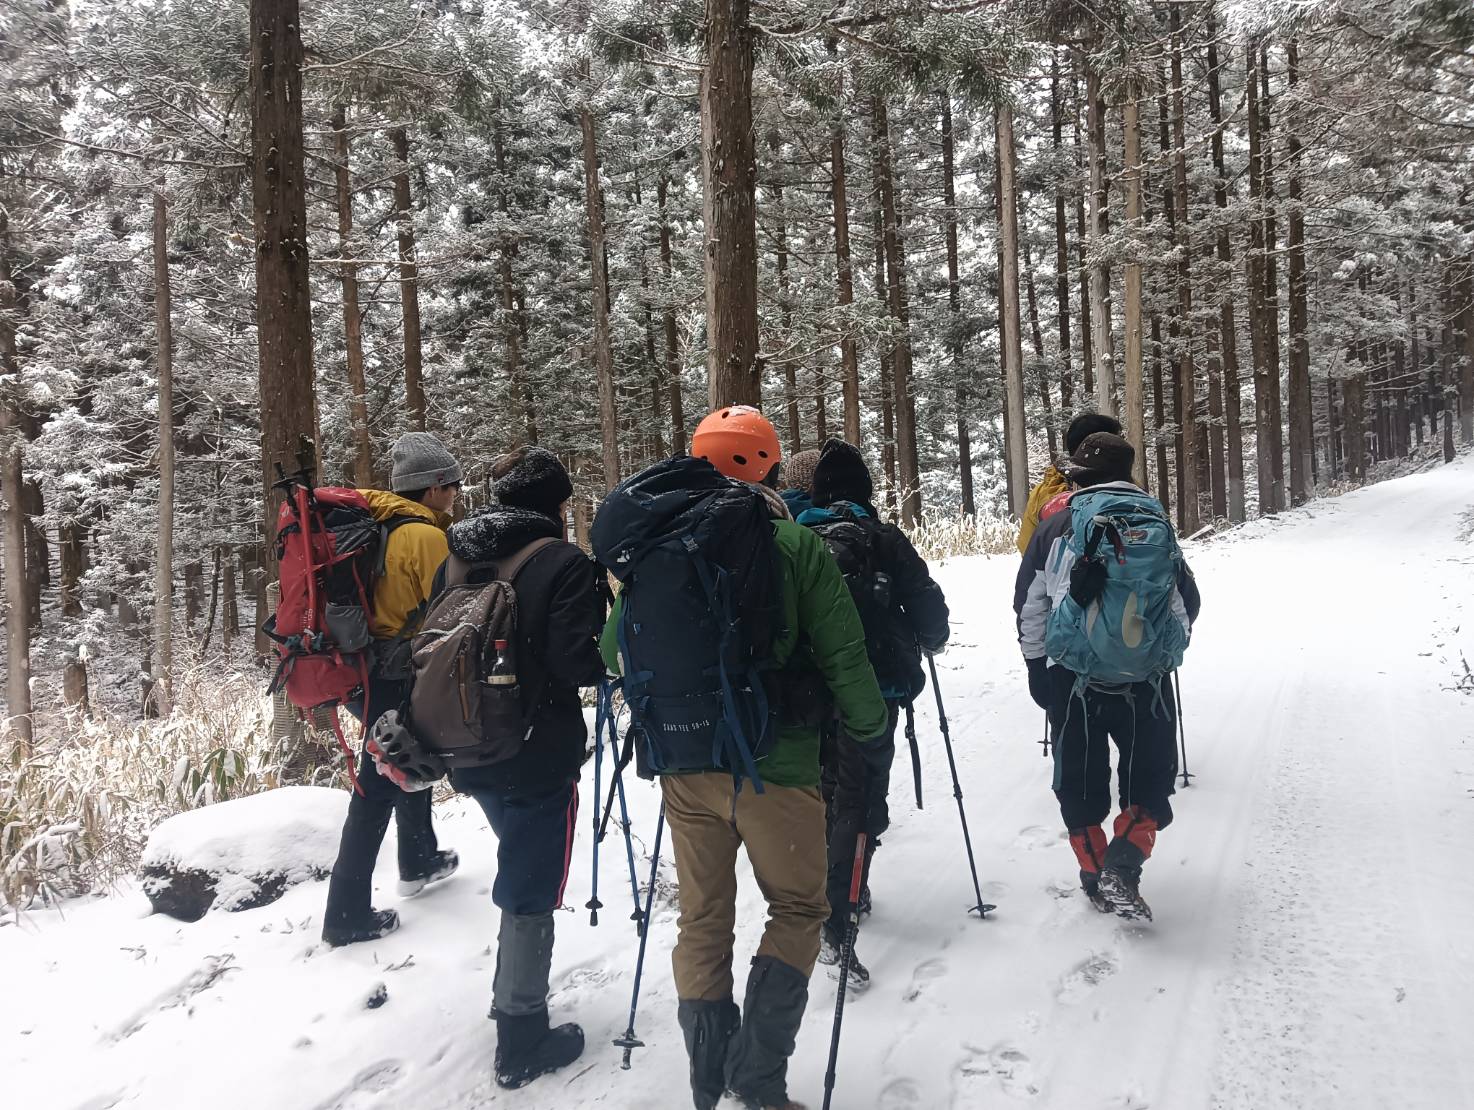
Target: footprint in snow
x: 899, y: 1094
x: 371, y: 1081
x: 1089, y: 973
x: 925, y: 973
x: 979, y: 1077
x: 1035, y: 836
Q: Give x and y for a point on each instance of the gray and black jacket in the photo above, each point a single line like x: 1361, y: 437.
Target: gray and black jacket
x: 1044, y: 580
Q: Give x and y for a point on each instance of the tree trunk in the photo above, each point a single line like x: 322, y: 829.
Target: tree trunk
x: 887, y: 357
x: 74, y: 687
x: 1302, y: 425
x: 1187, y: 477
x: 1037, y: 334
x: 668, y: 322
x: 194, y: 592
x: 954, y: 305
x: 1087, y: 346
x: 512, y: 321
x: 849, y: 355
x: 230, y: 621
x: 1135, y: 416
x: 1254, y: 275
x: 163, y: 687
x: 358, y: 420
x: 283, y: 290
x: 1232, y: 396
x: 1013, y: 355
x: 1061, y: 249
x: 785, y: 308
x: 12, y: 479
x: 1270, y: 274
x: 1159, y: 415
x: 599, y: 266
x: 907, y: 463
x: 38, y: 552
x: 72, y: 551
x: 729, y: 206
x: 1446, y: 355
x: 409, y: 283
x: 1466, y: 377
x: 1100, y: 274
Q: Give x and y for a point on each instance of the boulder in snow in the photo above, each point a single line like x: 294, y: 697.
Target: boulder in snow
x: 243, y: 853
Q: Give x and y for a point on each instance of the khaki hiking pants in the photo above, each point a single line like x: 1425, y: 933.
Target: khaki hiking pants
x: 783, y: 831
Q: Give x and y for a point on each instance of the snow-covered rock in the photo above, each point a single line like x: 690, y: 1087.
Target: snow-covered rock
x: 243, y: 853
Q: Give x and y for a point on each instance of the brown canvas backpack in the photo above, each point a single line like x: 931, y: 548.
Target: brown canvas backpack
x: 464, y: 706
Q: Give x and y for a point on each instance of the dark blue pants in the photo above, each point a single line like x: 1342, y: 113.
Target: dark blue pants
x: 350, y: 890
x: 534, y: 846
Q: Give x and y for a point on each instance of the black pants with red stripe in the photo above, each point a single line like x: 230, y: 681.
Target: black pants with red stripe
x: 534, y: 846
x: 1142, y: 722
x: 350, y: 890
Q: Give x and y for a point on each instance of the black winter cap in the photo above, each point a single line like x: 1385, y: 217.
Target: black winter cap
x: 1088, y: 423
x: 841, y: 475
x: 1103, y: 457
x: 531, y: 478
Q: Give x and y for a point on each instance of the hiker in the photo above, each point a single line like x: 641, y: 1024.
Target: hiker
x: 1053, y: 483
x: 424, y: 481
x: 797, y: 477
x: 730, y: 776
x: 1105, y: 605
x: 903, y: 613
x: 531, y: 797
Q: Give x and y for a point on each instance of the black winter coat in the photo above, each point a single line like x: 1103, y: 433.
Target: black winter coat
x: 560, y: 610
x: 918, y: 615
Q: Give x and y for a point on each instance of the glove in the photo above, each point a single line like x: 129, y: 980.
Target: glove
x: 1040, y: 687
x: 1087, y: 581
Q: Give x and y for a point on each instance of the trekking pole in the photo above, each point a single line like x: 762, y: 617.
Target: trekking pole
x: 624, y: 822
x: 593, y: 905
x: 982, y: 908
x: 1045, y: 742
x: 629, y: 1042
x: 616, y: 792
x: 1187, y: 776
x: 915, y: 751
x: 844, y: 965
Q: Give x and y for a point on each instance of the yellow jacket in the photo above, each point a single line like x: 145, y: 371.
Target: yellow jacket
x: 414, y: 554
x: 1050, y: 486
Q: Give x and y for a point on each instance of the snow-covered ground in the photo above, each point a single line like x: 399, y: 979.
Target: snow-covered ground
x: 1312, y: 947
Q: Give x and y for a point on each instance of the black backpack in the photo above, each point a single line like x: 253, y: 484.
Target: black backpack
x: 702, y: 605
x: 853, y: 538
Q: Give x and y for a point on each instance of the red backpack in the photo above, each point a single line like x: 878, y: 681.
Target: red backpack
x: 330, y: 553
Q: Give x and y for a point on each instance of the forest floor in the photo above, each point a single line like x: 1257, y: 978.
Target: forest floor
x: 1311, y: 947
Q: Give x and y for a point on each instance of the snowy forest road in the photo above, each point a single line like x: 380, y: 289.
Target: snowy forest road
x: 1311, y: 948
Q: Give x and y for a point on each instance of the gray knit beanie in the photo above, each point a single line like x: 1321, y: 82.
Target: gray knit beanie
x: 798, y: 470
x: 422, y: 462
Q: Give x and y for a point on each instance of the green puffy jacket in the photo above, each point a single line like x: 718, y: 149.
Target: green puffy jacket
x: 823, y: 633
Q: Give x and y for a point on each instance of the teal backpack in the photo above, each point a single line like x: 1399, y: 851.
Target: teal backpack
x: 1128, y: 633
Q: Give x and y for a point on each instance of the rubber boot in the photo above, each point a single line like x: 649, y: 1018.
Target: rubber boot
x: 708, y: 1027
x: 757, y: 1062
x: 526, y: 1048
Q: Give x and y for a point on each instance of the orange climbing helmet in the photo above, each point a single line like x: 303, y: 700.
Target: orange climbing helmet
x: 739, y: 441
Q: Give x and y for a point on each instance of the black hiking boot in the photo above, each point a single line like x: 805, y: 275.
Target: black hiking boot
x: 708, y: 1027
x: 831, y: 955
x: 443, y: 865
x: 526, y: 1048
x: 380, y: 924
x: 1120, y: 890
x: 757, y: 1059
x: 1090, y: 884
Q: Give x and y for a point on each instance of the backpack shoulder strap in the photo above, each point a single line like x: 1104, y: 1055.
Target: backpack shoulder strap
x: 508, y: 568
x: 386, y: 529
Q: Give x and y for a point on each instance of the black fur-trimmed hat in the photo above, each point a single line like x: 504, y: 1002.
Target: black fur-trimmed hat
x: 841, y: 475
x: 531, y: 478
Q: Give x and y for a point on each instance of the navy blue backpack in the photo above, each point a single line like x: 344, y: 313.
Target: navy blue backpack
x: 701, y: 607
